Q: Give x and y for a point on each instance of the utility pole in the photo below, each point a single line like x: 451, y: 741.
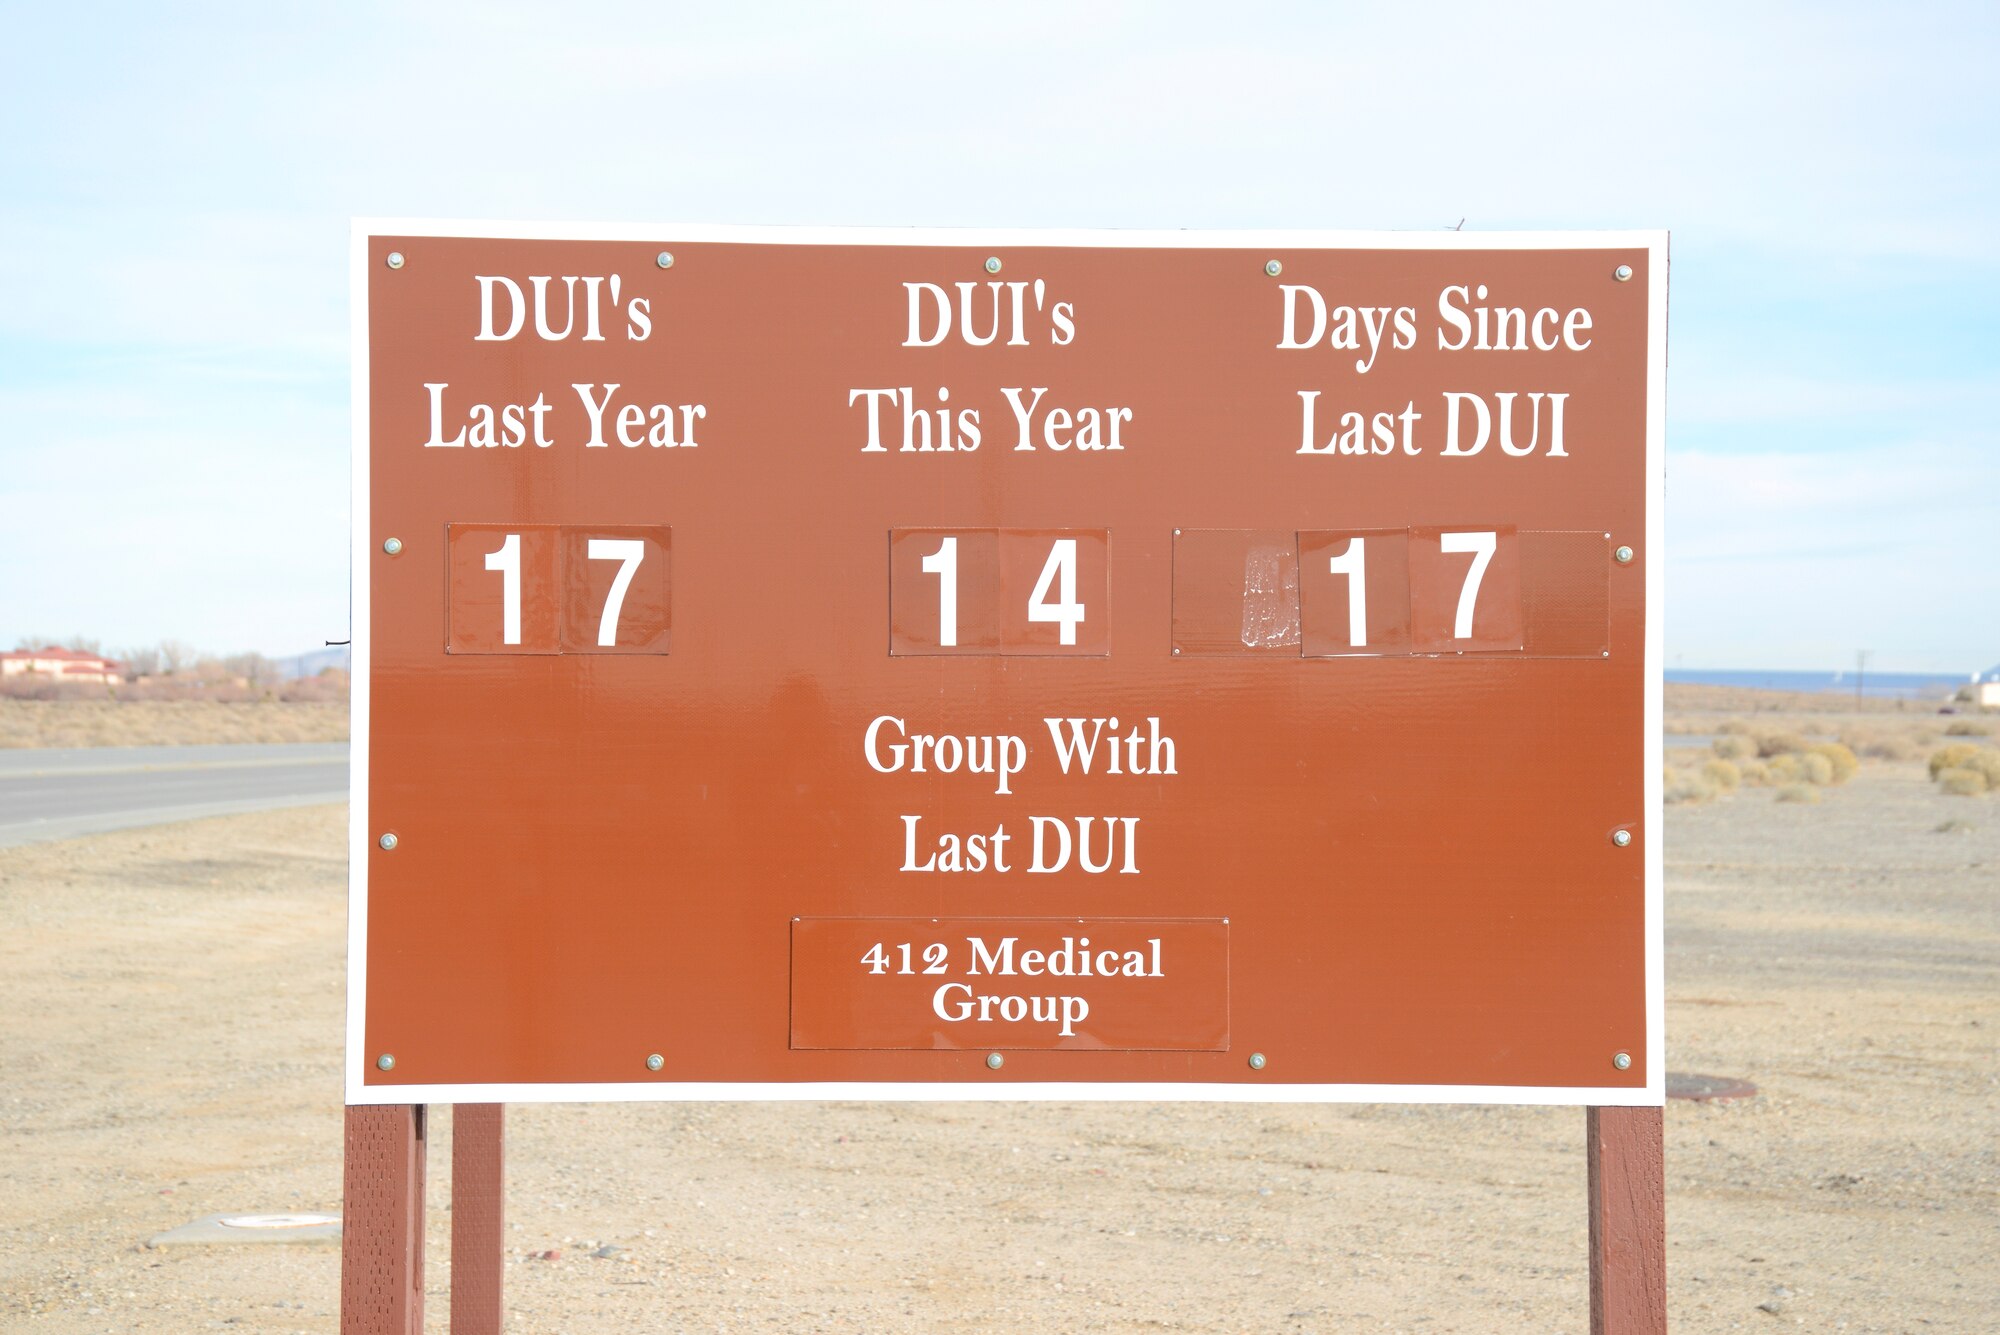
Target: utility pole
x: 1860, y: 673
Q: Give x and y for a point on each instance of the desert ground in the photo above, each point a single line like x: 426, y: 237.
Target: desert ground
x: 171, y: 1022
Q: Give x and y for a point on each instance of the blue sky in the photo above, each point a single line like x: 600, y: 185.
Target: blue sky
x: 176, y: 184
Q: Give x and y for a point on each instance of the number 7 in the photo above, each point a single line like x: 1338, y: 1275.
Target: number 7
x: 629, y: 551
x: 1481, y: 546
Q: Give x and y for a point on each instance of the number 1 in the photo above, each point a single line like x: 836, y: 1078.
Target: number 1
x: 1353, y: 564
x: 944, y: 564
x: 507, y: 560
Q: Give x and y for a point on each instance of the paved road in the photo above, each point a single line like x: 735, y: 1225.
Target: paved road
x: 61, y: 794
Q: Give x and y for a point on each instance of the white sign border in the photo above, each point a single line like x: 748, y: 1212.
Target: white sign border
x: 1653, y: 1094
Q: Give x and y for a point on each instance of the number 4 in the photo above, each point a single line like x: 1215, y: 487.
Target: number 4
x: 1060, y: 570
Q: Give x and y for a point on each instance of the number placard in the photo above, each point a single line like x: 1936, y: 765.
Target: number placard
x: 1465, y: 590
x: 1354, y: 592
x: 1000, y: 591
x: 548, y: 589
x: 615, y: 582
x: 503, y: 589
x: 944, y: 591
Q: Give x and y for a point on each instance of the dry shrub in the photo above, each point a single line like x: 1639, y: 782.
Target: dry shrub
x: 1845, y: 764
x: 1816, y: 769
x: 1734, y: 747
x: 1882, y: 745
x: 1784, y: 769
x: 1955, y: 756
x: 1780, y: 744
x: 1798, y: 792
x: 1683, y: 787
x: 1756, y: 774
x: 1987, y: 762
x: 1967, y: 728
x: 1962, y: 782
x: 1734, y: 727
x: 1722, y: 776
x: 1955, y: 827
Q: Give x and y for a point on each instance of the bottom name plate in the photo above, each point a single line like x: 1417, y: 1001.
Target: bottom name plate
x: 1089, y: 984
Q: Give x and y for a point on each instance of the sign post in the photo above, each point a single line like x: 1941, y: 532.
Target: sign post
x: 1007, y: 666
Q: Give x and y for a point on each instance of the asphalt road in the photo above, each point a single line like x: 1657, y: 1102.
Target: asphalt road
x: 61, y: 794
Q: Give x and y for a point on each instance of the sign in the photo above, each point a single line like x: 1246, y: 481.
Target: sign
x: 1006, y: 665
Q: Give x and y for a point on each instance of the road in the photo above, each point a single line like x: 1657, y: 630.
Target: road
x: 61, y: 794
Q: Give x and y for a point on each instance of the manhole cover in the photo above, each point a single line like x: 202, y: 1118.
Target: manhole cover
x: 1708, y: 1088
x: 276, y: 1220
x: 236, y: 1230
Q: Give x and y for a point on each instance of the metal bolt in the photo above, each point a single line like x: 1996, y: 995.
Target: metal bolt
x: 1623, y: 838
x: 655, y: 1062
x: 395, y: 260
x: 386, y: 1062
x: 993, y: 264
x: 1623, y: 1061
x: 1623, y: 273
x: 665, y: 259
x: 388, y: 841
x: 392, y: 545
x: 1273, y: 268
x: 1623, y: 556
x: 994, y: 1061
x: 1256, y: 1061
x: 1177, y: 650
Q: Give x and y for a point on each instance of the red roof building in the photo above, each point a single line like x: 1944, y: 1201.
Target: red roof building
x: 70, y: 665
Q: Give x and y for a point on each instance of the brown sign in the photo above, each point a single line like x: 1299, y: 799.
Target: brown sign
x: 1036, y: 664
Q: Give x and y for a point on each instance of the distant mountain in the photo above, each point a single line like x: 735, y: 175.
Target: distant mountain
x: 312, y: 663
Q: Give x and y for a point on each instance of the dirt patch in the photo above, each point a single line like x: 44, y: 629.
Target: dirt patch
x: 170, y: 1021
x: 30, y: 723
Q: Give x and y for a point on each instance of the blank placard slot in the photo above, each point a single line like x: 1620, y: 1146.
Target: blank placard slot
x: 1566, y: 594
x: 1236, y: 591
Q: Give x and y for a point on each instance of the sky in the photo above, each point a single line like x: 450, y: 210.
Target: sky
x: 177, y: 182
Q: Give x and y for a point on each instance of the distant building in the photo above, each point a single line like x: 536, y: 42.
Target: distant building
x: 62, y: 665
x: 1986, y: 688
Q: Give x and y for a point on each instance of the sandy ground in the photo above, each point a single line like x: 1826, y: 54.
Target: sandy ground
x: 170, y: 1028
x: 168, y: 722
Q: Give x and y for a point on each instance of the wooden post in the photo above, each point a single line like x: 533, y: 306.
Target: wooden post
x: 382, y: 1221
x: 1628, y: 1221
x: 478, y: 1161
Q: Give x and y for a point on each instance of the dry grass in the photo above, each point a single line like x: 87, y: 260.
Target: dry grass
x: 34, y: 723
x: 1967, y: 728
x: 1798, y: 792
x: 1880, y: 744
x: 1688, y: 699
